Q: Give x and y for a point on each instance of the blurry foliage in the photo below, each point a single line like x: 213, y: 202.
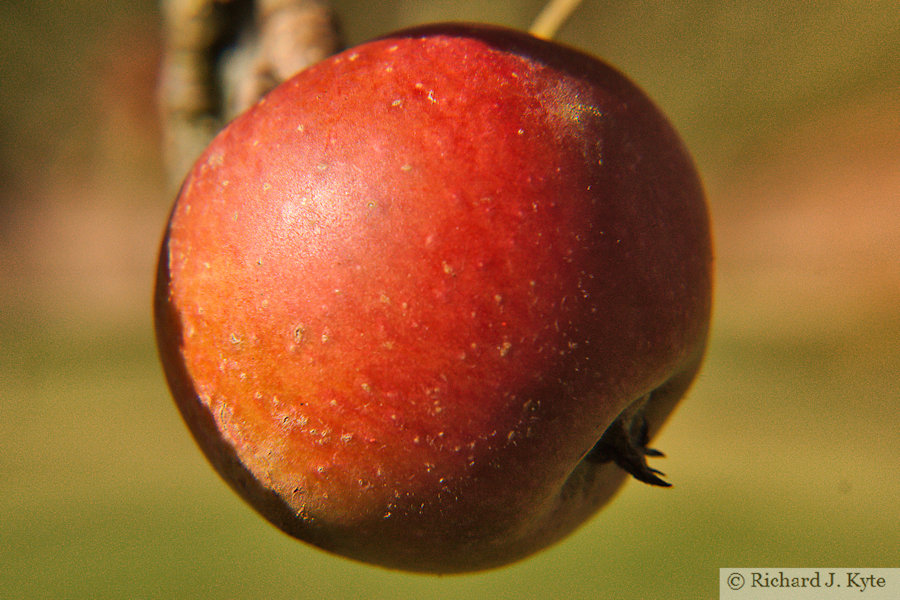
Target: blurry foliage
x: 52, y: 56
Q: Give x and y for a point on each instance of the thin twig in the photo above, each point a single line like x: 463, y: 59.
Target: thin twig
x: 552, y: 17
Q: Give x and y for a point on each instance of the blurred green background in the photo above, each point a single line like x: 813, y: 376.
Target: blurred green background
x: 785, y: 453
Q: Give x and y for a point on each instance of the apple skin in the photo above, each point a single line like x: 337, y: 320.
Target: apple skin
x: 401, y: 298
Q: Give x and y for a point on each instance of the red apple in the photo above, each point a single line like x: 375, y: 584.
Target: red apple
x: 425, y: 303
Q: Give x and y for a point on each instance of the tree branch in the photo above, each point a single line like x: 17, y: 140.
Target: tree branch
x: 221, y: 56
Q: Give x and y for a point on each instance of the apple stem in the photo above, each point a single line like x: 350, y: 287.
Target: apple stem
x: 554, y: 14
